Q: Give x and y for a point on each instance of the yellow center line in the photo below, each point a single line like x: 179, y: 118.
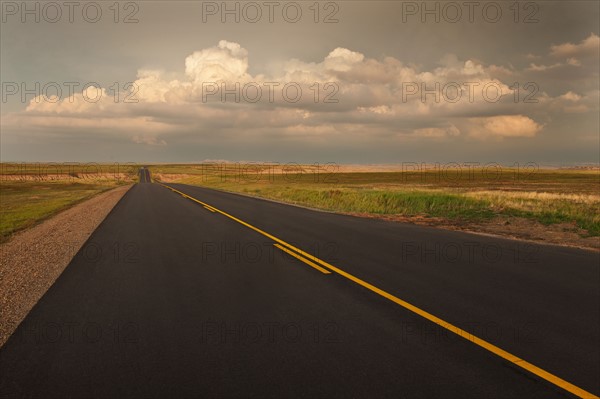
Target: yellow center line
x: 559, y: 382
x: 319, y: 268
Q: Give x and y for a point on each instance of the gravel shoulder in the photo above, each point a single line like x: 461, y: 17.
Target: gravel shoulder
x: 34, y: 258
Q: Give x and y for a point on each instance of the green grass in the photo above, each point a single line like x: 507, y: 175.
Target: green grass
x: 545, y: 195
x: 382, y: 202
x: 25, y: 203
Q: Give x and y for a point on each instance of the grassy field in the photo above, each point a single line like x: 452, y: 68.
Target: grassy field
x: 548, y: 196
x: 60, y: 170
x: 30, y: 197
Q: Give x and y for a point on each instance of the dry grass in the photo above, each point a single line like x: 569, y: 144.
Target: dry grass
x: 548, y: 196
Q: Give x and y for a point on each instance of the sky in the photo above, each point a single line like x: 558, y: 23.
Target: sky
x: 369, y: 82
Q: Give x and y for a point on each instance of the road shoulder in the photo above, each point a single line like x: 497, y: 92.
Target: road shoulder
x: 34, y: 258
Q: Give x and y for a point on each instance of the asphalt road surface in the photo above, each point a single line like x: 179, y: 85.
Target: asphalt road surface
x: 144, y: 175
x: 172, y: 298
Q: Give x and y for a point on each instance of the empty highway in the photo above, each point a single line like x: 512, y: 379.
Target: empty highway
x: 184, y: 291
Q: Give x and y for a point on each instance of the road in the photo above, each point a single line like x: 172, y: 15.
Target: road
x: 144, y: 175
x: 187, y: 296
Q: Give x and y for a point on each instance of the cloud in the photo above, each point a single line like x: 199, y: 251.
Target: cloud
x: 564, y: 66
x: 436, y: 132
x: 503, y: 126
x: 342, y: 59
x: 227, y: 61
x: 370, y: 98
x: 531, y: 56
x: 149, y: 140
x: 586, y: 48
x: 570, y: 96
x: 573, y: 103
x: 541, y: 68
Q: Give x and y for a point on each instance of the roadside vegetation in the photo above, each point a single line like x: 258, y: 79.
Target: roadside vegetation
x: 28, y: 196
x: 548, y: 196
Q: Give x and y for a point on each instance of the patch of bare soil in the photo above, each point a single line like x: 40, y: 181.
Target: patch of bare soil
x: 565, y: 234
x: 170, y: 177
x: 34, y: 258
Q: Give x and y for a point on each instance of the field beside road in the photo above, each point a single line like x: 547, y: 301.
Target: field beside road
x: 554, y: 205
x: 32, y: 193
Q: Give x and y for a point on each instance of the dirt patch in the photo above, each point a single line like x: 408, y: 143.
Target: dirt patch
x: 33, y: 259
x: 565, y: 234
x: 171, y: 177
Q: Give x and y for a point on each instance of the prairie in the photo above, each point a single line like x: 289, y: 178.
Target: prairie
x: 569, y: 198
x: 31, y: 193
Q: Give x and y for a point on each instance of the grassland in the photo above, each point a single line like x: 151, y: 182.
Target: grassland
x: 457, y: 194
x: 62, y: 170
x: 31, y: 193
